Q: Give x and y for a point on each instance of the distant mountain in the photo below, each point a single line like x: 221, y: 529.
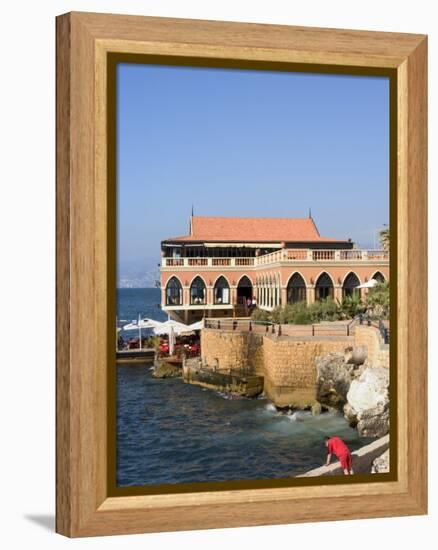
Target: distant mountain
x: 135, y: 276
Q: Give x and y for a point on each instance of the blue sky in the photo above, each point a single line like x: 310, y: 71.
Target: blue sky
x: 247, y: 143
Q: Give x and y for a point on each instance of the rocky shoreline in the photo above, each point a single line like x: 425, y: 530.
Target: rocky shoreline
x: 346, y: 382
x: 350, y: 384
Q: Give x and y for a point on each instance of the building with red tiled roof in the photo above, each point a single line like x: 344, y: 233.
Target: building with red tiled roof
x: 263, y: 230
x: 225, y: 262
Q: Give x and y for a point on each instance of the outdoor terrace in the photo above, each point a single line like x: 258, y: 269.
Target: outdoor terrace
x: 288, y: 256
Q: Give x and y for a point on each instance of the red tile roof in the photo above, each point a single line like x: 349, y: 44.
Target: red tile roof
x: 222, y: 229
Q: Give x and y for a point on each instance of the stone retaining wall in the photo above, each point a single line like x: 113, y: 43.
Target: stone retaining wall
x: 232, y: 350
x: 377, y: 351
x: 287, y: 364
x: 290, y: 371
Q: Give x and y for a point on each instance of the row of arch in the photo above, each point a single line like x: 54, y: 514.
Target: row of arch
x: 274, y: 278
x: 268, y: 289
x: 198, y: 291
x: 296, y: 290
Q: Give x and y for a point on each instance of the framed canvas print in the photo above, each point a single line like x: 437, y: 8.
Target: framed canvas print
x: 241, y: 216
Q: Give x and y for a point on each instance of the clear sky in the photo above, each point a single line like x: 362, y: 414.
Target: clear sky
x: 247, y: 143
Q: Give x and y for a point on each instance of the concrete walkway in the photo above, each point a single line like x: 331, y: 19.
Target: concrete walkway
x: 362, y: 460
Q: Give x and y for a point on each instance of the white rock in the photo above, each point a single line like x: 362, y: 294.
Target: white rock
x: 380, y: 464
x: 370, y: 390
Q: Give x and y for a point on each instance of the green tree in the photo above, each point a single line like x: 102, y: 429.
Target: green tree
x: 350, y: 306
x: 384, y: 238
x: 377, y: 301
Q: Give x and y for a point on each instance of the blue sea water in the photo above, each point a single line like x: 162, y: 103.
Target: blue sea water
x: 169, y: 432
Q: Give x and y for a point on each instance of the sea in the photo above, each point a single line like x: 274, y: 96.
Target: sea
x: 169, y: 432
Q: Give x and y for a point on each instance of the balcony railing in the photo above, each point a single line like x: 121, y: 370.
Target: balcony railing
x: 285, y: 255
x: 207, y: 262
x: 302, y: 255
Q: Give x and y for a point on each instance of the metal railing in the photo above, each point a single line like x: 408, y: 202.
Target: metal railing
x: 380, y: 325
x: 248, y: 325
x: 384, y: 332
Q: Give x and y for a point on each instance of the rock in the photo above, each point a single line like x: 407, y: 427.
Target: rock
x: 356, y: 355
x: 370, y: 390
x: 368, y: 402
x: 316, y: 409
x: 333, y: 380
x: 350, y: 415
x: 165, y: 370
x: 380, y: 464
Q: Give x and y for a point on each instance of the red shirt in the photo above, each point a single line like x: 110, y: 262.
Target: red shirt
x: 337, y: 447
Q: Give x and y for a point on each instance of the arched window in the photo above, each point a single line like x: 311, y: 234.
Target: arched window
x: 174, y: 292
x: 296, y: 289
x: 349, y: 288
x: 197, y: 292
x: 379, y: 277
x: 244, y: 290
x: 221, y: 291
x: 323, y: 287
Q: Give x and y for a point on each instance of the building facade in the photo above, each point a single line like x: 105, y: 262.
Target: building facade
x: 212, y: 271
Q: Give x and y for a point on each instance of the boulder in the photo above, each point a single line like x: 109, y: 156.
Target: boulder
x: 380, y: 464
x: 166, y: 370
x: 356, y: 355
x: 368, y: 402
x: 333, y: 380
x: 350, y: 415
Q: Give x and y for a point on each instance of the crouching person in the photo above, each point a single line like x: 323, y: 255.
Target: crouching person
x: 335, y: 446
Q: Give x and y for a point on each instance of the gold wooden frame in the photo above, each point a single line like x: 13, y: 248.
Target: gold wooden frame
x: 84, y: 41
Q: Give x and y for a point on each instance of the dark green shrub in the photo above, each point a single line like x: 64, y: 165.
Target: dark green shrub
x: 302, y: 318
x: 260, y: 315
x: 350, y: 306
x: 324, y: 310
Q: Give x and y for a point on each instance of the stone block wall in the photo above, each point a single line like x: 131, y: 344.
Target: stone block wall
x: 287, y: 364
x: 232, y: 350
x: 290, y: 371
x: 377, y: 351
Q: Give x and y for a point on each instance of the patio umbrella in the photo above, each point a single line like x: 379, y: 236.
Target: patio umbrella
x: 167, y: 326
x: 196, y: 326
x: 140, y: 324
x: 369, y: 284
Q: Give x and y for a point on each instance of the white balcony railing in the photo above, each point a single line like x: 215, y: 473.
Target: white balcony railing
x: 287, y: 255
x: 323, y: 255
x: 207, y: 262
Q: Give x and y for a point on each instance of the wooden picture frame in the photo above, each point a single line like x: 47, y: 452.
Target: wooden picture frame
x: 84, y: 213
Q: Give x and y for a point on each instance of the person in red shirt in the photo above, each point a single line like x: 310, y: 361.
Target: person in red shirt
x: 335, y: 446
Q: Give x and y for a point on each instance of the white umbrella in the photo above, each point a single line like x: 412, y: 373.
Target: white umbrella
x: 196, y: 326
x: 369, y: 284
x: 141, y: 323
x: 166, y: 327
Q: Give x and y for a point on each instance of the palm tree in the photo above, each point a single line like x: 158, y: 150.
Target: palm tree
x: 384, y: 238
